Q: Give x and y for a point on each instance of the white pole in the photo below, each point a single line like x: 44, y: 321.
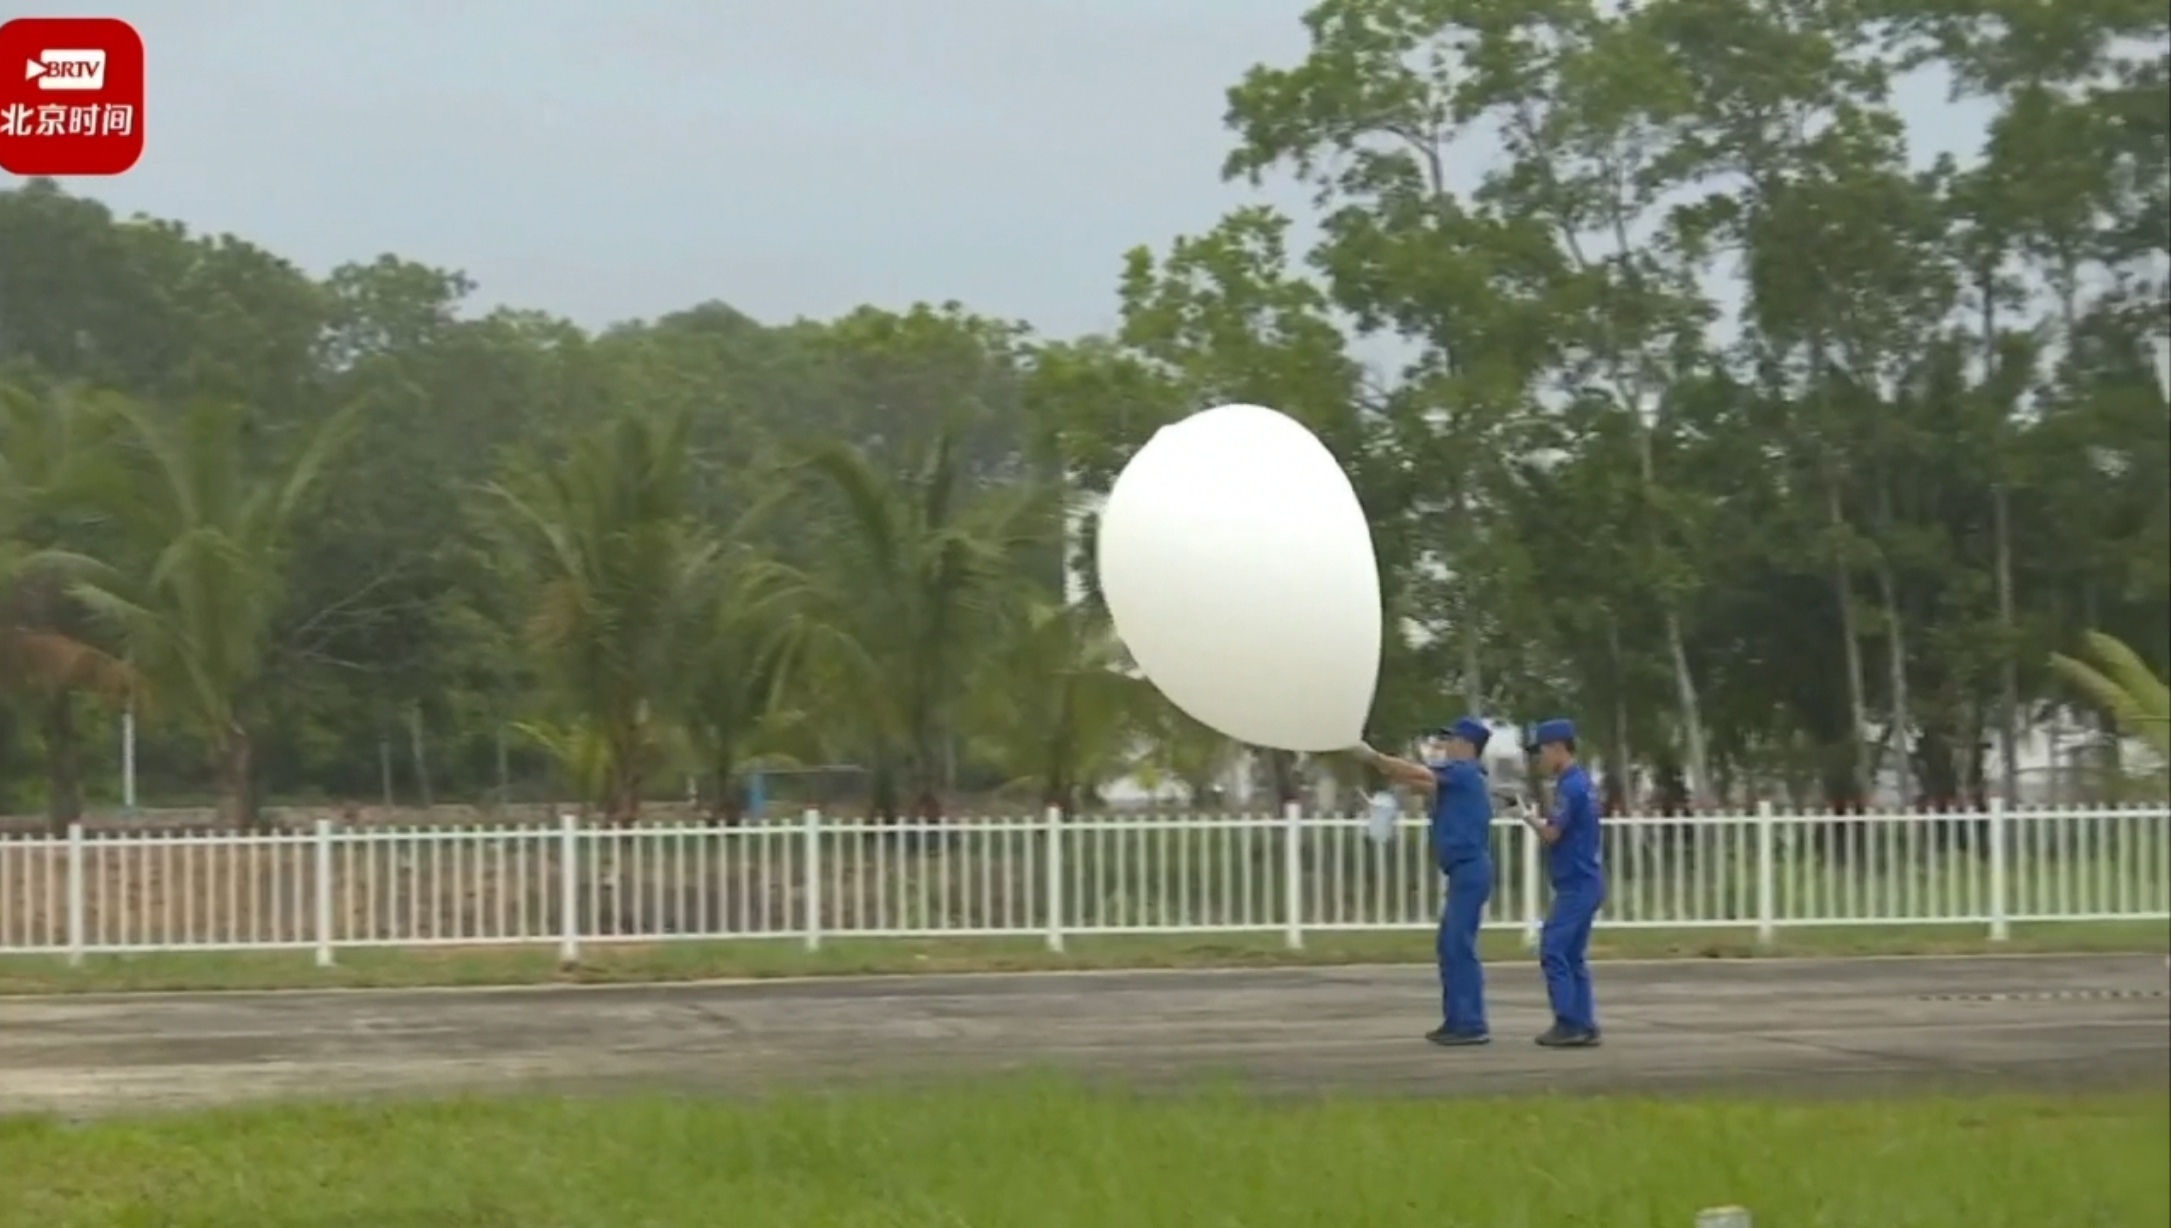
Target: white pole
x: 1052, y: 867
x: 568, y: 888
x: 2000, y: 927
x: 1293, y: 875
x: 323, y: 849
x: 76, y: 936
x: 1767, y: 893
x: 811, y: 886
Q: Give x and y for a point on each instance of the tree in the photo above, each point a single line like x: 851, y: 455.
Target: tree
x: 915, y: 567
x: 2069, y: 192
x: 603, y: 542
x: 201, y: 575
x: 76, y: 299
x: 1377, y: 119
x: 376, y: 641
x: 745, y: 646
x: 50, y: 445
x: 1054, y: 702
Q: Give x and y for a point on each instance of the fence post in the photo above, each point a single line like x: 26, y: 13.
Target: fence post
x: 1292, y: 869
x: 568, y: 888
x: 1766, y: 893
x: 1052, y: 864
x: 811, y: 840
x: 1533, y: 916
x: 322, y: 851
x: 2000, y: 929
x: 75, y: 894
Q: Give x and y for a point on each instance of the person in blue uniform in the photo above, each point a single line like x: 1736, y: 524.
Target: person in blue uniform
x: 1576, y: 866
x: 1452, y: 778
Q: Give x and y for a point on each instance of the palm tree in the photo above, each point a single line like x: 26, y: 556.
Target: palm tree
x: 46, y: 656
x: 582, y: 759
x: 202, y: 577
x: 606, y: 541
x: 747, y: 638
x: 917, y: 566
x: 2123, y: 685
x: 1053, y: 706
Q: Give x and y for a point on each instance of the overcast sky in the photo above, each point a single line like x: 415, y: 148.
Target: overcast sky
x: 610, y: 159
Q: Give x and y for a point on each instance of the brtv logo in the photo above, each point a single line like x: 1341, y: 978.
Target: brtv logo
x: 71, y: 96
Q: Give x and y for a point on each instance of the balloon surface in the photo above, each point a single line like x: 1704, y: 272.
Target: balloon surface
x: 1238, y: 567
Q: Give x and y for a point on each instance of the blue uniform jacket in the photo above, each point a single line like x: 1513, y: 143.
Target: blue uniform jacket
x: 1576, y: 860
x: 1462, y: 812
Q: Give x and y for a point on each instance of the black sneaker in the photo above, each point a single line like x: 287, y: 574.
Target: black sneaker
x: 1562, y: 1037
x: 1454, y: 1040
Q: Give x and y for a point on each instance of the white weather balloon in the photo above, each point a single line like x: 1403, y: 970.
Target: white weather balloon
x: 1238, y: 567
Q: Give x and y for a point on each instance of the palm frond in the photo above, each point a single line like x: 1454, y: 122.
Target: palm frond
x: 2121, y: 684
x: 872, y: 513
x: 53, y: 662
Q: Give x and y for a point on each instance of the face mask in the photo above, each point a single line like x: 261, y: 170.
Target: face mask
x: 1435, y: 754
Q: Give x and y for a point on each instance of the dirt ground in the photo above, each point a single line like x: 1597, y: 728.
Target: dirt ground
x: 2059, y: 1022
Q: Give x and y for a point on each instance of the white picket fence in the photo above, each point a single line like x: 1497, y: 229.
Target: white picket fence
x: 1053, y: 877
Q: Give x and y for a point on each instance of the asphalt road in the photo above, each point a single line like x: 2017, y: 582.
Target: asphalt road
x: 1817, y: 1026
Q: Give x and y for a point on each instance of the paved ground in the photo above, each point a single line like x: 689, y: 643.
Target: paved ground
x: 2068, y: 1021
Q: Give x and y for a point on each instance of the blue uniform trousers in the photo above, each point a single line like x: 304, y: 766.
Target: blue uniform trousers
x: 1564, y: 953
x: 1462, y: 977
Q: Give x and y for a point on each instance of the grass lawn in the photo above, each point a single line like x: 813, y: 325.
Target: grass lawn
x: 785, y: 957
x: 1052, y: 1154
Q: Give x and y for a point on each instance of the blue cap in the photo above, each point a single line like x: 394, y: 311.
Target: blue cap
x: 1469, y: 728
x: 1558, y: 729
